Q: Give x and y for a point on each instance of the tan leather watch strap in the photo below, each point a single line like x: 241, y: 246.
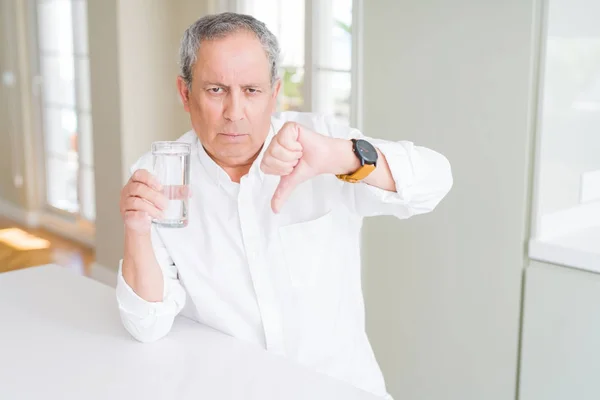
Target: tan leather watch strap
x: 357, y: 175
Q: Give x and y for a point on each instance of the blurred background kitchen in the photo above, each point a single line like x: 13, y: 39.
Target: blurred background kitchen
x: 494, y: 295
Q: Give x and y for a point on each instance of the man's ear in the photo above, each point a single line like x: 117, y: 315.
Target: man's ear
x: 276, y: 89
x: 184, y: 93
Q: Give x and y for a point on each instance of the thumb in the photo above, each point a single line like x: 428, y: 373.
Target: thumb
x: 286, y: 186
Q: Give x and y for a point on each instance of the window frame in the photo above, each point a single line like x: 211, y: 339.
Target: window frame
x: 70, y: 224
x: 310, y: 51
x: 542, y: 246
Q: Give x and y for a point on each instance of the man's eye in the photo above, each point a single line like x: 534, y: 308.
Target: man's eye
x: 215, y: 90
x: 252, y: 90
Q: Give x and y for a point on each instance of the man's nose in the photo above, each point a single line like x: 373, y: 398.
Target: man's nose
x: 234, y: 108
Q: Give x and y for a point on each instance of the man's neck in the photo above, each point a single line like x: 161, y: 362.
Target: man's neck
x: 236, y: 172
x: 235, y: 169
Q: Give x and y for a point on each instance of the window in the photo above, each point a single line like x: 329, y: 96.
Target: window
x: 62, y: 52
x: 567, y: 198
x: 318, y: 67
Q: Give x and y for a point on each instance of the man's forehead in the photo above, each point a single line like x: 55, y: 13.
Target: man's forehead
x: 239, y: 56
x: 245, y: 75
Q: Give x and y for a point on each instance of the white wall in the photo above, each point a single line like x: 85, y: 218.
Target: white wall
x: 134, y: 47
x: 150, y: 32
x: 106, y: 127
x: 443, y: 290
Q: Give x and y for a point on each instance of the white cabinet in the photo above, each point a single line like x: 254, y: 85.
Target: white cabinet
x: 560, y: 357
x: 560, y: 343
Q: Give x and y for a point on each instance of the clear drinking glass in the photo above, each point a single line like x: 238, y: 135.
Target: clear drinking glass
x: 171, y: 166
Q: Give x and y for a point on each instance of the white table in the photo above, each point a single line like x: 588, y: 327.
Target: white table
x: 61, y: 338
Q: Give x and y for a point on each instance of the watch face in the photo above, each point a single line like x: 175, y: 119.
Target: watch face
x: 366, y: 151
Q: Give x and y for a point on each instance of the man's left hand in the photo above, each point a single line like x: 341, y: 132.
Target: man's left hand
x: 298, y: 154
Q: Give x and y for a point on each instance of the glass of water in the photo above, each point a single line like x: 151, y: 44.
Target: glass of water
x: 171, y: 166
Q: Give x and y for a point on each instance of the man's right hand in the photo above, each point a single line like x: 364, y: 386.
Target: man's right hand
x: 141, y: 201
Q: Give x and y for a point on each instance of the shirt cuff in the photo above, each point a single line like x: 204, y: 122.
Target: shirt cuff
x: 134, y: 305
x: 397, y: 156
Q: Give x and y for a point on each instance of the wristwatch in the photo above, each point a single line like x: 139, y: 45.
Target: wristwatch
x: 367, y: 155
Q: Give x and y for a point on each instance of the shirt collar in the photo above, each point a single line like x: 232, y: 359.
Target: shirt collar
x: 256, y: 164
x: 218, y: 175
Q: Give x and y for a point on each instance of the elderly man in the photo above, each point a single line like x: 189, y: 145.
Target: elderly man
x: 271, y: 253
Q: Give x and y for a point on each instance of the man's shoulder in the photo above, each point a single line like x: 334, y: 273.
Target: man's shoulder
x: 145, y: 161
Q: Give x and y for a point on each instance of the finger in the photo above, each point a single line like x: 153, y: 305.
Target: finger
x: 136, y: 216
x: 270, y: 171
x: 286, y: 186
x: 178, y: 192
x: 278, y: 167
x: 145, y: 192
x: 267, y: 170
x: 282, y: 153
x: 139, y: 204
x: 184, y: 192
x: 145, y: 177
x: 288, y: 137
x: 276, y: 171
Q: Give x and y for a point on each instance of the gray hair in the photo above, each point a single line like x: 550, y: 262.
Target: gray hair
x: 219, y: 26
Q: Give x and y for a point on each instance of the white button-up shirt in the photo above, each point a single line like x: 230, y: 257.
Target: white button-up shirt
x: 288, y: 282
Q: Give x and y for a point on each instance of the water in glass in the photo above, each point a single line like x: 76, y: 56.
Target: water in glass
x: 171, y: 166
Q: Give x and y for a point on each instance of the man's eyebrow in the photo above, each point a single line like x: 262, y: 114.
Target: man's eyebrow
x: 206, y: 83
x: 247, y: 85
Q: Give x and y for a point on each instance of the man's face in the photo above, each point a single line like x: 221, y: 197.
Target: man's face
x: 231, y: 98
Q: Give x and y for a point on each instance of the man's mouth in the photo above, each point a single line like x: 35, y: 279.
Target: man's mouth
x: 233, y: 136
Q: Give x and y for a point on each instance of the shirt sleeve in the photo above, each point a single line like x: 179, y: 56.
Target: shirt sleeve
x: 149, y: 321
x: 422, y: 176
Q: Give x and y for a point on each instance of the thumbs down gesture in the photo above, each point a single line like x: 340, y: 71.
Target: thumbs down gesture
x: 297, y: 154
